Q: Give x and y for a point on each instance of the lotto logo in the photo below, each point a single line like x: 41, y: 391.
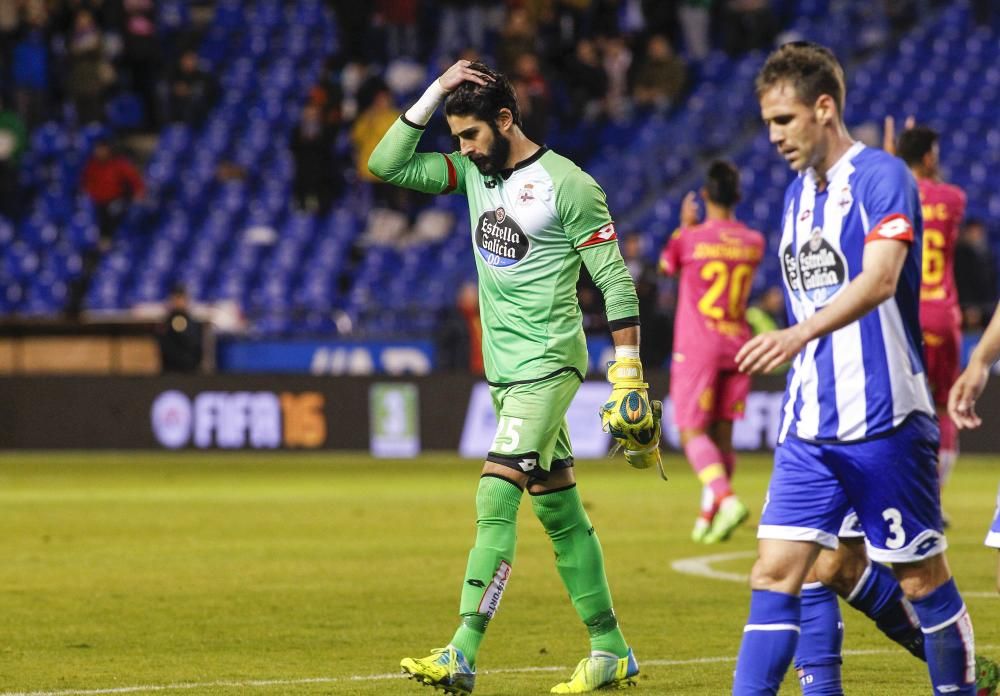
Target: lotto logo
x: 893, y: 227
x: 528, y: 464
x: 605, y: 234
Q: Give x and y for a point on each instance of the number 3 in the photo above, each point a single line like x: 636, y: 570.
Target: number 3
x: 897, y: 537
x: 508, y: 429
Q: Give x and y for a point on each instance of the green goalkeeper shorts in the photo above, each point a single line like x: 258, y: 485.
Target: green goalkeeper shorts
x: 532, y: 433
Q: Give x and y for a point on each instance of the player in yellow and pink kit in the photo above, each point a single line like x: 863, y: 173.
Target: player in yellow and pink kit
x: 716, y: 261
x: 940, y: 317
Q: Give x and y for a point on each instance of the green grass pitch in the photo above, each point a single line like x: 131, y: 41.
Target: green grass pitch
x: 307, y: 574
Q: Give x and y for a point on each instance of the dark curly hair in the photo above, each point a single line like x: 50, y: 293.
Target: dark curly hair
x: 484, y: 102
x: 722, y: 183
x: 916, y: 142
x: 811, y: 69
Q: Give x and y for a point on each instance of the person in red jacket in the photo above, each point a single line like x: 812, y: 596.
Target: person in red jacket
x: 112, y: 182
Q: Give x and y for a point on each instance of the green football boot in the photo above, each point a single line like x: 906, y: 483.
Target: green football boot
x: 987, y: 676
x: 445, y: 669
x: 732, y: 513
x: 601, y: 671
x: 700, y: 530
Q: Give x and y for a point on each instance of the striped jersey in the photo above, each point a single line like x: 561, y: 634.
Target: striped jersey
x: 864, y: 379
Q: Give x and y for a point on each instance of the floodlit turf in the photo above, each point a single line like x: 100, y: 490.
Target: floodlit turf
x: 124, y: 570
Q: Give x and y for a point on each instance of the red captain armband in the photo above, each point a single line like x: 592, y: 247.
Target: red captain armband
x: 605, y: 234
x: 896, y: 226
x: 452, y: 175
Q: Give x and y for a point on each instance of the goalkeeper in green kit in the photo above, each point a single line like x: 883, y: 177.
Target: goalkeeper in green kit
x: 536, y: 217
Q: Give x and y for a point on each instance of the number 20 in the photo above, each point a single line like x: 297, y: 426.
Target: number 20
x: 739, y: 288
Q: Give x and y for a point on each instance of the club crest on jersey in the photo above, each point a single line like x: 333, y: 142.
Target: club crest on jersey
x: 526, y: 194
x: 500, y: 240
x: 817, y: 272
x: 845, y: 200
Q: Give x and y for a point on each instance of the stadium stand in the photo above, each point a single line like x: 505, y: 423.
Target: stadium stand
x: 240, y: 238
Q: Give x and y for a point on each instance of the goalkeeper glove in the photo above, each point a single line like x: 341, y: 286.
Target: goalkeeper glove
x: 630, y: 417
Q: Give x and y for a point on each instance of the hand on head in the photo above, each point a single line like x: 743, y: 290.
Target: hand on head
x: 462, y: 72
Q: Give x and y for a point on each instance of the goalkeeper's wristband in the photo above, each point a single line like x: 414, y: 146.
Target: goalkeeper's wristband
x: 625, y: 352
x: 421, y: 112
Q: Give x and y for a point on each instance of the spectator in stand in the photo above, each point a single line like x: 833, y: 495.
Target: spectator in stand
x: 468, y: 307
x: 369, y: 127
x: 643, y: 273
x: 31, y: 73
x: 317, y: 181
x: 328, y: 94
x: 460, y: 333
x: 180, y: 336
x: 749, y: 25
x: 617, y: 62
x: 89, y: 71
x: 517, y: 38
x: 657, y: 327
x: 661, y: 77
x: 13, y: 136
x: 532, y: 96
x: 462, y: 25
x: 586, y: 82
x: 113, y: 183
x: 399, y: 17
x: 191, y: 91
x: 141, y: 56
x: 695, y: 18
x: 975, y: 274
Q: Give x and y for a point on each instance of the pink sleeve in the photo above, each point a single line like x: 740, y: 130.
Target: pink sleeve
x: 670, y: 257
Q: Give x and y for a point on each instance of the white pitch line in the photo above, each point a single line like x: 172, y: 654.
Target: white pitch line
x: 701, y: 566
x: 253, y: 683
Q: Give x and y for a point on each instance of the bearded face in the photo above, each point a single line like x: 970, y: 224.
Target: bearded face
x: 482, y: 142
x: 496, y: 156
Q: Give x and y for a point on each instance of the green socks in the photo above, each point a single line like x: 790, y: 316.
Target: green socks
x: 579, y: 560
x: 488, y: 571
x: 580, y: 563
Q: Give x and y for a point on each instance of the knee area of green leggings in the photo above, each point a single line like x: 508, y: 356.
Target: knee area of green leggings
x: 497, y: 500
x: 558, y: 510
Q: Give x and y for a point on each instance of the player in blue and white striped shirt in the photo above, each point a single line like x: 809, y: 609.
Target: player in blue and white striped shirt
x: 858, y: 427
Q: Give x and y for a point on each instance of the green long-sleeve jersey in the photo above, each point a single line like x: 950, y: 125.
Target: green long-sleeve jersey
x: 531, y: 229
